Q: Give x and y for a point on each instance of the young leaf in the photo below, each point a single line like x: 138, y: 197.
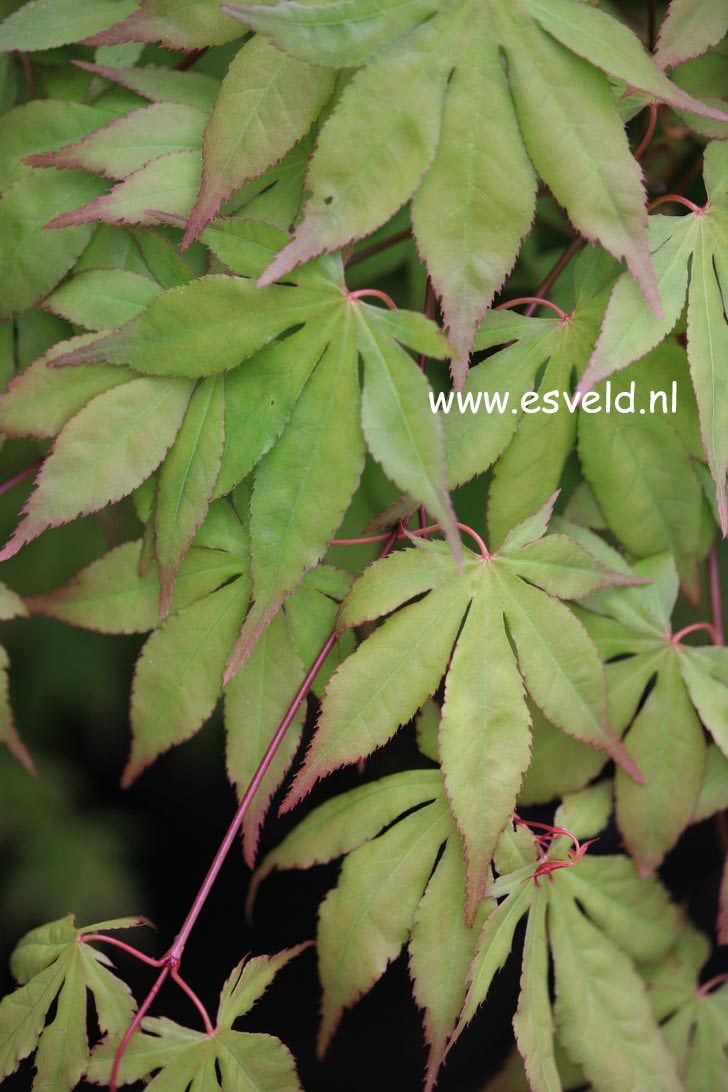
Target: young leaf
x: 396, y: 101
x: 415, y: 644
x: 54, y: 964
x: 362, y: 923
x: 161, y: 188
x: 196, y: 330
x: 602, y: 187
x: 567, y: 685
x: 223, y: 1059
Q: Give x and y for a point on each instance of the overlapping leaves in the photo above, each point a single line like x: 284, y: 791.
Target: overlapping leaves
x: 633, y: 627
x: 394, y: 888
x: 594, y: 920
x: 432, y: 85
x: 294, y: 407
x: 459, y: 627
x: 694, y: 1016
x: 54, y: 964
x: 689, y: 259
x: 171, y: 1056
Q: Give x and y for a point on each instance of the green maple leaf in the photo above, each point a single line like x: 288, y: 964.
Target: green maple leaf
x: 177, y: 24
x: 388, y: 895
x: 471, y: 174
x: 43, y: 24
x: 529, y: 447
x: 689, y: 259
x: 484, y: 737
x: 594, y: 920
x: 291, y: 409
x: 176, y: 1057
x: 665, y: 737
x: 689, y: 29
x: 53, y: 964
x: 694, y: 1021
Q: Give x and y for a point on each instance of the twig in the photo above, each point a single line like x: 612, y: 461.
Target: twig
x: 171, y: 960
x: 362, y: 293
x: 27, y: 71
x: 6, y: 486
x: 189, y: 58
x: 678, y: 199
x: 550, y: 280
x: 377, y: 248
x: 364, y: 540
x: 651, y: 126
x: 535, y: 302
x: 716, y: 596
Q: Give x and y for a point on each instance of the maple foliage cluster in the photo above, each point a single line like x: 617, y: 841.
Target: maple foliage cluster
x: 243, y: 247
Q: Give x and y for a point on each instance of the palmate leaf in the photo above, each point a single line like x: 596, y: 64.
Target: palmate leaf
x: 596, y: 918
x: 387, y: 892
x: 484, y: 737
x: 176, y: 1057
x: 665, y: 737
x: 306, y: 412
x: 693, y: 1015
x: 398, y: 97
x: 696, y: 243
x: 53, y: 964
x: 539, y: 439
